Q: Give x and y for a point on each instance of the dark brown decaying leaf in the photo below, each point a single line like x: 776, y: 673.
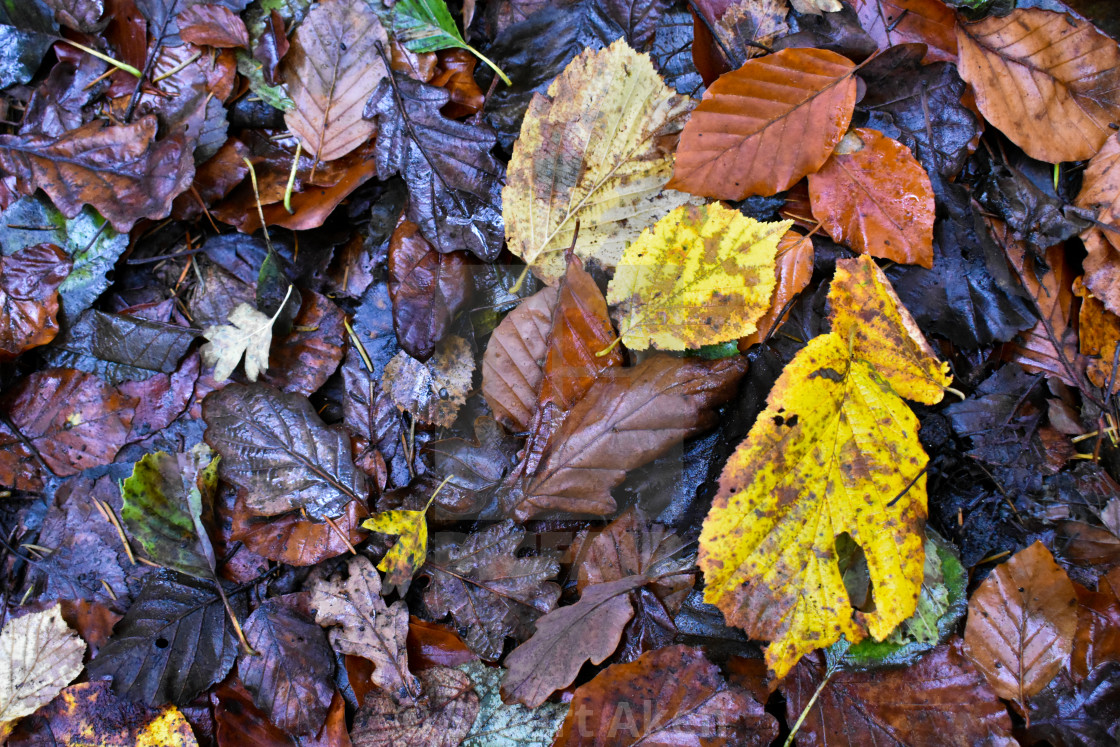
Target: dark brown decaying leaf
x: 1097, y: 640
x: 672, y: 696
x: 306, y: 357
x: 921, y: 705
x: 360, y: 623
x: 624, y: 420
x: 331, y: 69
x: 29, y: 281
x: 290, y: 678
x: 274, y: 445
x: 73, y: 419
x: 431, y: 392
x: 121, y: 170
x: 761, y: 128
x: 213, y: 26
x: 237, y: 722
x: 428, y: 290
x: 486, y: 588
x: 513, y: 364
x: 289, y: 538
x: 1021, y: 623
x: 568, y: 637
x: 441, y: 717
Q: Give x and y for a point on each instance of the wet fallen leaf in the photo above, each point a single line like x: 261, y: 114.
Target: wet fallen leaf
x: 1097, y: 639
x: 1098, y: 336
x: 238, y: 720
x: 669, y: 696
x: 213, y: 26
x: 894, y: 22
x: 793, y: 271
x: 248, y: 335
x: 1021, y: 623
x: 700, y: 276
x: 431, y: 392
x: 29, y: 281
x: 873, y: 196
x: 1047, y: 80
x: 440, y: 717
x: 1078, y: 713
x: 734, y: 144
x: 39, y: 655
x: 331, y: 69
x: 513, y: 363
x: 508, y: 725
x: 410, y: 550
x: 289, y: 538
x: 305, y: 358
x: 804, y: 458
x: 571, y: 164
x: 360, y: 623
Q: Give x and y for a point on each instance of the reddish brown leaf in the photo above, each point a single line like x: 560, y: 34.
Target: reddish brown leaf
x: 762, y: 127
x: 1098, y: 626
x: 213, y: 26
x: 513, y: 364
x: 794, y: 269
x: 291, y: 539
x: 1087, y: 546
x: 93, y: 621
x: 929, y: 22
x: 119, y: 169
x: 428, y: 289
x: 161, y: 399
x: 1102, y: 267
x: 567, y: 637
x: 1021, y: 623
x: 456, y: 73
x: 624, y: 420
x: 441, y: 717
x: 29, y: 281
x: 874, y: 196
x: 306, y: 357
x: 272, y: 47
x: 1048, y: 81
x: 939, y: 700
x: 239, y: 722
x: 672, y: 696
x: 74, y: 420
x: 213, y: 180
x: 434, y: 645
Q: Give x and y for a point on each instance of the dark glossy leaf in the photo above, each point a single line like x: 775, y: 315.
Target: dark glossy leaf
x: 672, y: 53
x: 289, y: 538
x: 309, y: 354
x: 237, y: 722
x: 120, y: 348
x: 119, y: 169
x: 474, y: 467
x: 920, y: 106
x: 27, y: 30
x: 370, y: 415
x: 274, y: 445
x: 292, y: 678
x: 92, y: 245
x: 987, y: 306
x: 638, y: 19
x: 441, y: 717
x: 487, y: 589
x: 161, y: 14
x: 1082, y: 714
x: 213, y: 26
x: 428, y: 290
x: 29, y: 281
x: 838, y: 31
x: 175, y: 641
x: 454, y: 183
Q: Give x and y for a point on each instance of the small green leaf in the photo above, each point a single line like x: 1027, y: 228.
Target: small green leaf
x: 275, y: 96
x: 427, y: 26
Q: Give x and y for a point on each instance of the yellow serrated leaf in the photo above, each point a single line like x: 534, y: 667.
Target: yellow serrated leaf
x: 597, y: 150
x: 836, y: 451
x: 405, y: 557
x: 702, y: 275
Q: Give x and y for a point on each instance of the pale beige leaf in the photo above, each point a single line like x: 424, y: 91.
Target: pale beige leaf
x: 39, y: 655
x: 597, y: 151
x: 248, y: 334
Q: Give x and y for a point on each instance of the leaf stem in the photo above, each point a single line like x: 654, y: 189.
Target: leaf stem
x: 260, y: 210
x: 516, y: 287
x: 106, y: 58
x: 490, y: 63
x: 609, y: 348
x: 808, y: 706
x: 292, y: 179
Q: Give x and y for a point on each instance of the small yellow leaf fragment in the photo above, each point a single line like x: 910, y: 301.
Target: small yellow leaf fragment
x: 405, y: 557
x: 702, y: 275
x: 835, y: 452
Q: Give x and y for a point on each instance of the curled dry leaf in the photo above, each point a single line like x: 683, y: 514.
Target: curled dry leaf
x: 1048, y: 81
x: 921, y: 705
x: 39, y: 655
x: 1021, y: 623
x: 431, y: 392
x: 763, y: 127
x: 119, y: 169
x: 597, y: 150
x: 875, y: 197
x: 73, y: 419
x: 670, y: 696
x: 90, y: 711
x: 274, y: 445
x: 441, y: 717
x: 513, y: 364
x: 428, y: 290
x: 331, y: 69
x: 29, y: 281
x: 700, y: 276
x: 819, y: 449
x: 361, y: 624
x: 489, y: 591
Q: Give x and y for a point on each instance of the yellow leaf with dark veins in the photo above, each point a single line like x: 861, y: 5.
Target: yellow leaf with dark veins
x: 702, y: 275
x: 835, y: 452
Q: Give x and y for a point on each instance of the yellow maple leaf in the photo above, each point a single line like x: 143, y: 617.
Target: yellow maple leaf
x: 404, y: 558
x: 597, y: 150
x: 836, y: 451
x: 700, y: 276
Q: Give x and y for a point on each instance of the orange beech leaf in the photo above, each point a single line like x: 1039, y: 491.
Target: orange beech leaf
x: 1099, y: 334
x: 794, y: 270
x: 1021, y: 623
x: 1048, y: 81
x: 1098, y: 625
x: 892, y: 22
x: 762, y: 127
x: 513, y: 364
x: 29, y: 281
x: 874, y: 196
x: 213, y: 26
